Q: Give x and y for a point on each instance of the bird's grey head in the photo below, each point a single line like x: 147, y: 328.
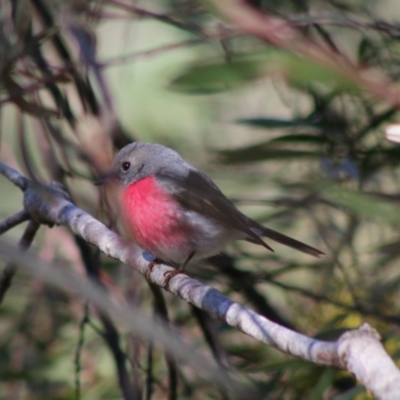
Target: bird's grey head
x: 139, y: 160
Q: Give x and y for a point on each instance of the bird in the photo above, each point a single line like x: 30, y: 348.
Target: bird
x: 175, y: 212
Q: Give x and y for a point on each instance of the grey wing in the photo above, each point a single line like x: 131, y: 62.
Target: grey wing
x: 196, y: 191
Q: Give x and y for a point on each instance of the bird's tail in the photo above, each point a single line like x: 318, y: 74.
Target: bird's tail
x: 285, y: 240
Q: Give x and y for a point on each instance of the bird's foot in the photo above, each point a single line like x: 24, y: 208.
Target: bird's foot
x: 169, y: 275
x: 180, y: 269
x: 151, y: 266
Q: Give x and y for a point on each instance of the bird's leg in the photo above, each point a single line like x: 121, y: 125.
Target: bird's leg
x: 155, y: 262
x: 180, y: 269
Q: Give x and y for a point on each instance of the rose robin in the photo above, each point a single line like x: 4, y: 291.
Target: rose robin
x: 176, y: 212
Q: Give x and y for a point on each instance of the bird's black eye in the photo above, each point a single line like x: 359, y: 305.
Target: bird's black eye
x: 125, y: 166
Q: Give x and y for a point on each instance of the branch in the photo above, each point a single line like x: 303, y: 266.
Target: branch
x: 10, y: 269
x: 14, y: 176
x: 161, y: 311
x: 141, y: 12
x: 379, y: 374
x: 13, y: 221
x: 366, y: 358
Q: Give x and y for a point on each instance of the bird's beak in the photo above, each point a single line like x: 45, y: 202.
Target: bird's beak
x: 105, y: 178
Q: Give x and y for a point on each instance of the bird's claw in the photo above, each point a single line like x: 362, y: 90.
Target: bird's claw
x: 168, y: 275
x: 151, y: 266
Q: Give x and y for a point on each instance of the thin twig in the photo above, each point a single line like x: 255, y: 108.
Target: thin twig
x: 141, y: 12
x: 160, y: 309
x: 110, y: 333
x: 149, y: 371
x: 112, y: 338
x: 13, y: 221
x: 23, y: 147
x: 10, y: 269
x: 148, y: 53
x: 14, y: 176
x: 78, y: 351
x: 36, y: 86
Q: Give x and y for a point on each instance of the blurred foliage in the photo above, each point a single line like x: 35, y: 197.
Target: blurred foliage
x: 298, y: 145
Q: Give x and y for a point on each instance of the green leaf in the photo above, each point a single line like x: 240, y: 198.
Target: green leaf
x: 363, y: 204
x: 351, y: 394
x: 378, y: 158
x: 273, y: 123
x: 300, y: 138
x: 280, y: 366
x: 334, y: 333
x: 303, y: 72
x: 324, y: 382
x: 218, y: 75
x: 265, y: 152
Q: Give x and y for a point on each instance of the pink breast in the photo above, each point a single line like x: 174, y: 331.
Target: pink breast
x: 152, y: 216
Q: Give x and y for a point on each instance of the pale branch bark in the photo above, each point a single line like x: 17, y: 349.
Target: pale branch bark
x: 366, y: 358
x: 13, y: 221
x: 49, y: 205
